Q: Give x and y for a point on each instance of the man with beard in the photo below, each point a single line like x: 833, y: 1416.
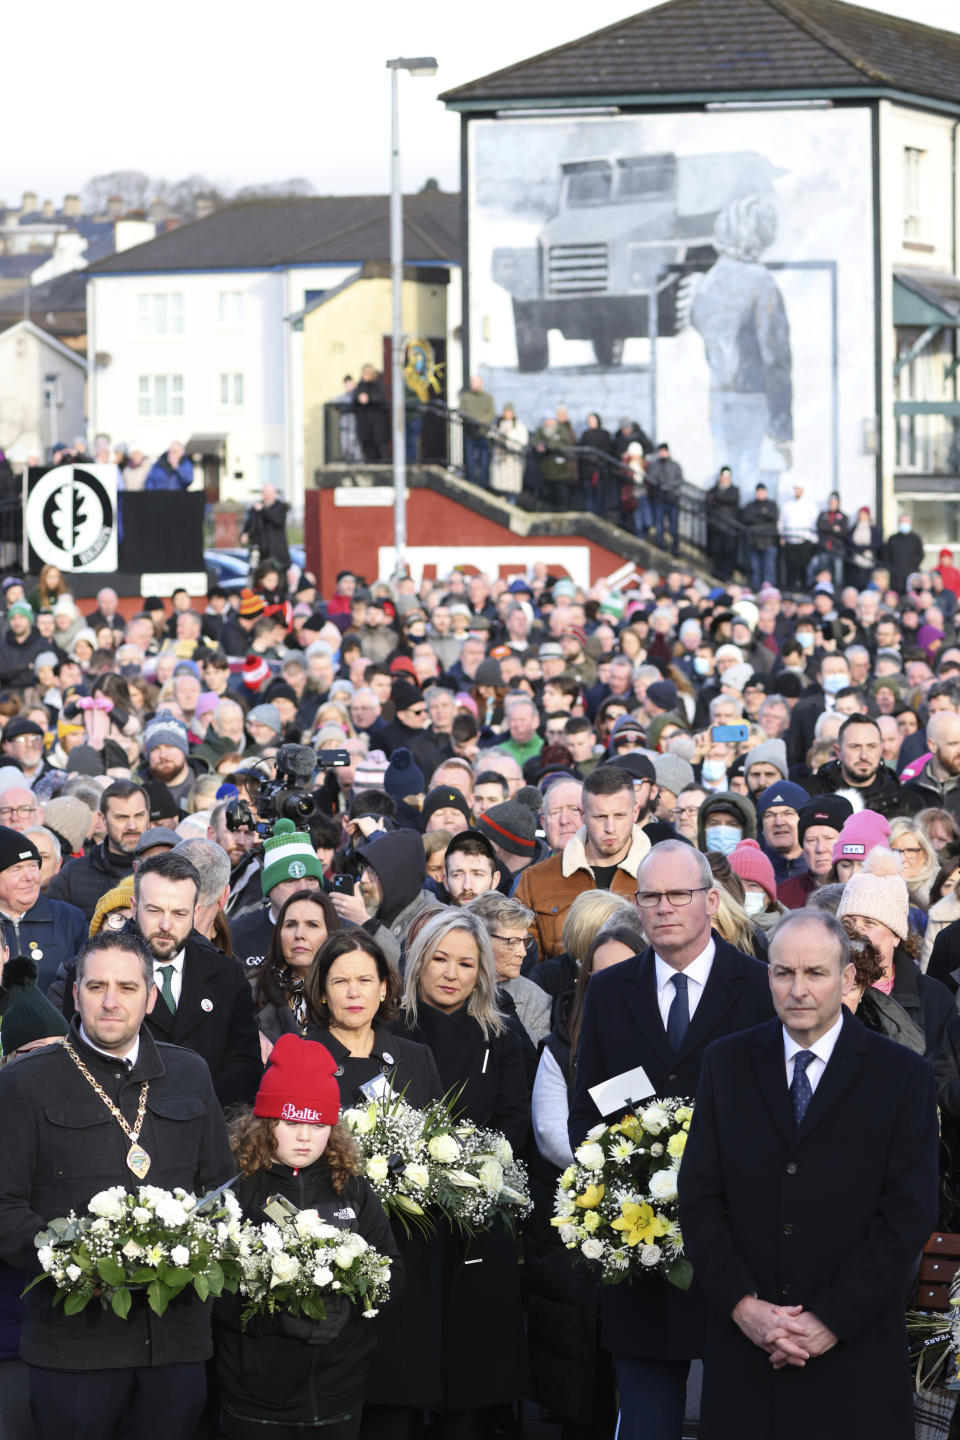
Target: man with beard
x: 938, y: 783
x: 125, y: 808
x: 165, y: 747
x: 859, y: 766
x: 470, y: 867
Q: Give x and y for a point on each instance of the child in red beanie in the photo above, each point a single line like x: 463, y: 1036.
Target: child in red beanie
x: 286, y: 1376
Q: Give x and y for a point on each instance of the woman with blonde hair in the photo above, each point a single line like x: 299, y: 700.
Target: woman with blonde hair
x: 918, y: 857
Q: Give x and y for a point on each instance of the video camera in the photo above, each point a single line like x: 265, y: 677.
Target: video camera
x: 287, y: 796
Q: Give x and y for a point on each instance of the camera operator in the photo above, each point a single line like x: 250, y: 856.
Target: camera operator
x: 389, y: 893
x: 243, y: 852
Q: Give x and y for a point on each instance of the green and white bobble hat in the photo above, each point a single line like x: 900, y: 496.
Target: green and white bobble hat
x: 288, y: 855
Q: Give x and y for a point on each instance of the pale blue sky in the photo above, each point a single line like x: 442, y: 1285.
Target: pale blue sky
x: 251, y: 93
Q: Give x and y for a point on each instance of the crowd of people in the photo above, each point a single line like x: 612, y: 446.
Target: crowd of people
x: 555, y: 834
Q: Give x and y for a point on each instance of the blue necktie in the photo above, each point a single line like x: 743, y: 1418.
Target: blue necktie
x: 678, y: 1016
x: 800, y: 1092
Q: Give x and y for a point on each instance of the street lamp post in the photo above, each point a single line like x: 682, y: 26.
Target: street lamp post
x: 422, y: 65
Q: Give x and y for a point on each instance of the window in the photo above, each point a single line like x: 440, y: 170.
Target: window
x: 160, y: 395
x: 231, y: 391
x: 912, y: 193
x: 160, y: 314
x: 268, y: 471
x: 230, y: 307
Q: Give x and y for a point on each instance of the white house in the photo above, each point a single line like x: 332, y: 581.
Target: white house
x: 42, y: 387
x: 187, y: 335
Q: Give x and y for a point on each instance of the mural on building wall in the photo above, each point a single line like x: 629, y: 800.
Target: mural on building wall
x: 709, y: 276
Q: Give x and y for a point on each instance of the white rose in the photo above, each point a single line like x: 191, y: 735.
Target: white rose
x: 491, y: 1176
x: 417, y: 1175
x: 656, y: 1150
x: 596, y: 1131
x: 444, y: 1149
x: 107, y: 1204
x: 592, y: 1249
x: 132, y: 1250
x: 306, y: 1224
x: 142, y: 1215
x: 74, y: 1272
x: 322, y: 1275
x: 503, y: 1151
x: 344, y: 1256
x: 180, y: 1255
x: 654, y: 1119
x: 364, y: 1122
x: 663, y: 1185
x: 650, y: 1254
x: 590, y: 1156
x: 283, y: 1269
x: 377, y: 1169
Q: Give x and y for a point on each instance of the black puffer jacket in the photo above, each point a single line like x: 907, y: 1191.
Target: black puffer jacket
x: 82, y: 882
x: 267, y: 1375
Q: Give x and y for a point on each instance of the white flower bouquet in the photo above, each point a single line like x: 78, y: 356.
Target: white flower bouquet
x: 617, y: 1203
x: 148, y: 1239
x: 423, y: 1163
x: 304, y: 1264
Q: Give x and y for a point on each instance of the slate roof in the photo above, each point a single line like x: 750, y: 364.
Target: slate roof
x: 261, y: 234
x: 734, y: 45
x: 59, y: 305
x: 17, y: 267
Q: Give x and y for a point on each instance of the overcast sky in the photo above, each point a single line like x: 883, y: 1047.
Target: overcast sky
x: 249, y: 93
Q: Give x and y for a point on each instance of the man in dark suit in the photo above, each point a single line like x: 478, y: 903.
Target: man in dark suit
x: 807, y: 1190
x: 204, y: 1001
x: 659, y: 1010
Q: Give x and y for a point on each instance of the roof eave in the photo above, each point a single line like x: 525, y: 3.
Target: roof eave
x: 855, y: 93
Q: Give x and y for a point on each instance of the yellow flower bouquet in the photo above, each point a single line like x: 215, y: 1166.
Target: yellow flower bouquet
x: 617, y: 1202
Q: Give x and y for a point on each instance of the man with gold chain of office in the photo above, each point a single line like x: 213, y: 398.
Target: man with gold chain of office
x: 108, y: 1105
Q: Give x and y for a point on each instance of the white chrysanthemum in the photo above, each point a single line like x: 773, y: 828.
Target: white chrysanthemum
x: 73, y: 1273
x: 568, y: 1233
x: 107, y: 1204
x: 663, y: 1185
x: 171, y: 1212
x: 590, y: 1156
x: 322, y: 1276
x: 377, y: 1169
x: 592, y: 1249
x: 565, y: 1206
x: 272, y: 1239
x: 622, y: 1149
x: 370, y: 1314
x: 45, y: 1256
x: 283, y: 1269
x: 180, y: 1255
x: 650, y: 1254
x: 444, y: 1149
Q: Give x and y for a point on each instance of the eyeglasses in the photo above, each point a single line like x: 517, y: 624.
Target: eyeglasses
x: 29, y: 740
x: 685, y: 809
x: 419, y: 710
x: 676, y: 899
x: 512, y: 942
x: 22, y: 812
x: 897, y: 849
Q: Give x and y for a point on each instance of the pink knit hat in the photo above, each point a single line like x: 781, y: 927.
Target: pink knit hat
x: 879, y: 892
x: 749, y: 862
x: 860, y: 834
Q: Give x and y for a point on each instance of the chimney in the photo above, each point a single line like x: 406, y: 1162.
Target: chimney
x: 159, y: 210
x: 72, y: 207
x: 114, y: 207
x: 48, y: 209
x: 202, y: 207
x: 29, y: 202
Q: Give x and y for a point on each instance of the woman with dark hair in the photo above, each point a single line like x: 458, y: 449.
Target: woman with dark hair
x: 288, y: 1375
x: 305, y: 920
x: 352, y: 995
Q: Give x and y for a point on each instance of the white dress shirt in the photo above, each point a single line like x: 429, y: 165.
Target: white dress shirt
x: 822, y: 1049
x: 697, y: 973
x: 130, y: 1059
x: 176, y: 979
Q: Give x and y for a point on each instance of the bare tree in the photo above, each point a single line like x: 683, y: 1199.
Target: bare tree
x: 133, y: 187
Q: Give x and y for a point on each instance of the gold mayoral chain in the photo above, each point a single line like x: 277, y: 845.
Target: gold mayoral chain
x: 137, y: 1158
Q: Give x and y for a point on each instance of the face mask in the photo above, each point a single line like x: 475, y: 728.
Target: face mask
x: 904, y: 527
x: 713, y: 769
x: 805, y: 639
x: 833, y: 683
x: 701, y: 666
x: 794, y: 670
x: 754, y: 902
x: 724, y: 838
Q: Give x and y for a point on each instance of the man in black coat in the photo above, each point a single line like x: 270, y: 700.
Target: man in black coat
x: 903, y: 554
x: 859, y: 766
x: 664, y: 482
x: 125, y: 807
x: 806, y: 1295
x: 265, y: 528
x: 723, y: 527
x: 654, y: 1329
x: 760, y: 519
x: 93, y: 1375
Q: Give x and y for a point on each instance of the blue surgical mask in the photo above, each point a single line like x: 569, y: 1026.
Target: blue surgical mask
x: 723, y: 838
x: 833, y: 683
x: 805, y: 639
x: 904, y: 527
x: 701, y: 665
x: 713, y: 769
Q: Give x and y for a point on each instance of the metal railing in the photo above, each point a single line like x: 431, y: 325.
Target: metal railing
x: 545, y: 477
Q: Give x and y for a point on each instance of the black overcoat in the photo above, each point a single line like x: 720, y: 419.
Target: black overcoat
x: 830, y: 1216
x: 622, y: 1029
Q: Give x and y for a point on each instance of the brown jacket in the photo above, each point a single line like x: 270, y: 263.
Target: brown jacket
x: 550, y: 888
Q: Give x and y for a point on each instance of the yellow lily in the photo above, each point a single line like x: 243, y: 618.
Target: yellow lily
x: 590, y: 1198
x: 639, y: 1224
